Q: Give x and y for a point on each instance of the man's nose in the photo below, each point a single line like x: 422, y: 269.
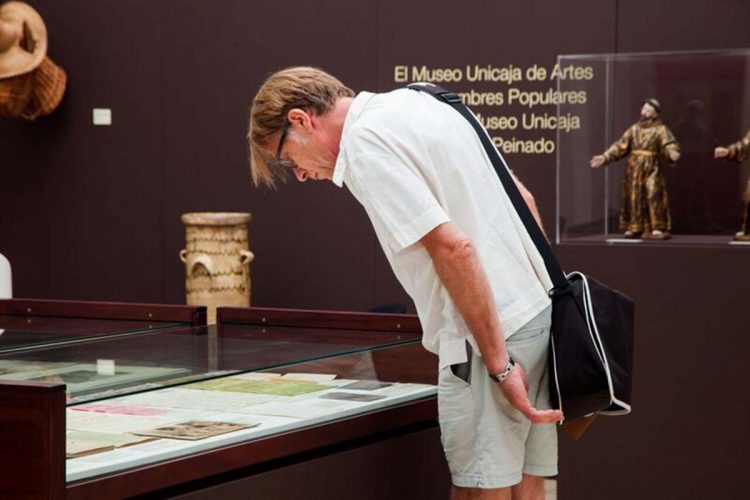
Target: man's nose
x: 300, y: 174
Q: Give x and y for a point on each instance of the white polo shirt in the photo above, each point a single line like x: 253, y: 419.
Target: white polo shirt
x: 414, y: 163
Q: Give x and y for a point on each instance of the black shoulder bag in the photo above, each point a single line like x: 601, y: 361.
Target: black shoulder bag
x: 591, y: 342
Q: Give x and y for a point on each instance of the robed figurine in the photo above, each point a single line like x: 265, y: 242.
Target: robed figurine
x: 738, y: 152
x: 645, y: 203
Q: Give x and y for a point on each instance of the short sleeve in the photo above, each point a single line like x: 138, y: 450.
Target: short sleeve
x: 397, y: 199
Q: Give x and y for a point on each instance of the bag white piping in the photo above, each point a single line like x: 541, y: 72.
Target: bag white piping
x: 557, y: 381
x: 588, y: 307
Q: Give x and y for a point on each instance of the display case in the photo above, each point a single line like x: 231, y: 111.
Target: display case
x: 703, y: 100
x: 199, y: 410
x: 32, y: 323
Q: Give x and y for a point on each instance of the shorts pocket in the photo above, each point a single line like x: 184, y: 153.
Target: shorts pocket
x: 526, y: 336
x: 457, y: 418
x: 462, y: 371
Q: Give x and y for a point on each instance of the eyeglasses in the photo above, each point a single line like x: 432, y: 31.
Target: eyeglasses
x: 283, y: 163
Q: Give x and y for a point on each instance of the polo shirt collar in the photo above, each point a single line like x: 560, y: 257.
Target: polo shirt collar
x: 355, y: 110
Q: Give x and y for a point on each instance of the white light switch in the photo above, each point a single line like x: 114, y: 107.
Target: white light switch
x: 102, y: 116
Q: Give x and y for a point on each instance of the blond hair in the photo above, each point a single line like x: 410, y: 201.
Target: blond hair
x: 301, y: 87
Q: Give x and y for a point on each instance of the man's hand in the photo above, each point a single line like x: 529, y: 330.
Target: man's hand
x: 721, y: 152
x: 516, y: 390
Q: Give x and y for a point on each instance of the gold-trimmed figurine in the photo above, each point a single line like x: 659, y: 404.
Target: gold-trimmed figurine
x: 739, y: 152
x: 645, y: 204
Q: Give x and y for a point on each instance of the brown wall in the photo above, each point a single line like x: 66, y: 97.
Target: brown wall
x: 93, y: 212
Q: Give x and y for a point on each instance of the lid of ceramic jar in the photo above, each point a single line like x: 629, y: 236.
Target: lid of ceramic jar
x: 216, y: 218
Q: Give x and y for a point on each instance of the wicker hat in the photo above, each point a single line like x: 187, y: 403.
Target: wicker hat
x: 23, y: 39
x: 31, y: 85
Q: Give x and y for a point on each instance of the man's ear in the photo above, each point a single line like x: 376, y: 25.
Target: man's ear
x: 299, y: 117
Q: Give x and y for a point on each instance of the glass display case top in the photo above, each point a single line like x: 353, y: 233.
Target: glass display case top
x: 112, y: 366
x: 25, y: 332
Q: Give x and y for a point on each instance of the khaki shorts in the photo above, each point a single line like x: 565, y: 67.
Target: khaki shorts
x: 487, y: 442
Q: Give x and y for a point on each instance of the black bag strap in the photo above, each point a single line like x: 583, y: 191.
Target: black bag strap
x: 559, y: 281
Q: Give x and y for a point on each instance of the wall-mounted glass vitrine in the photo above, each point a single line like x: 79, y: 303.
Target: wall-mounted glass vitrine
x: 702, y: 100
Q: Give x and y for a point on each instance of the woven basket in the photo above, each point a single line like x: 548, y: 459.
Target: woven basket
x: 49, y: 87
x: 33, y: 94
x: 217, y: 260
x: 15, y: 94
